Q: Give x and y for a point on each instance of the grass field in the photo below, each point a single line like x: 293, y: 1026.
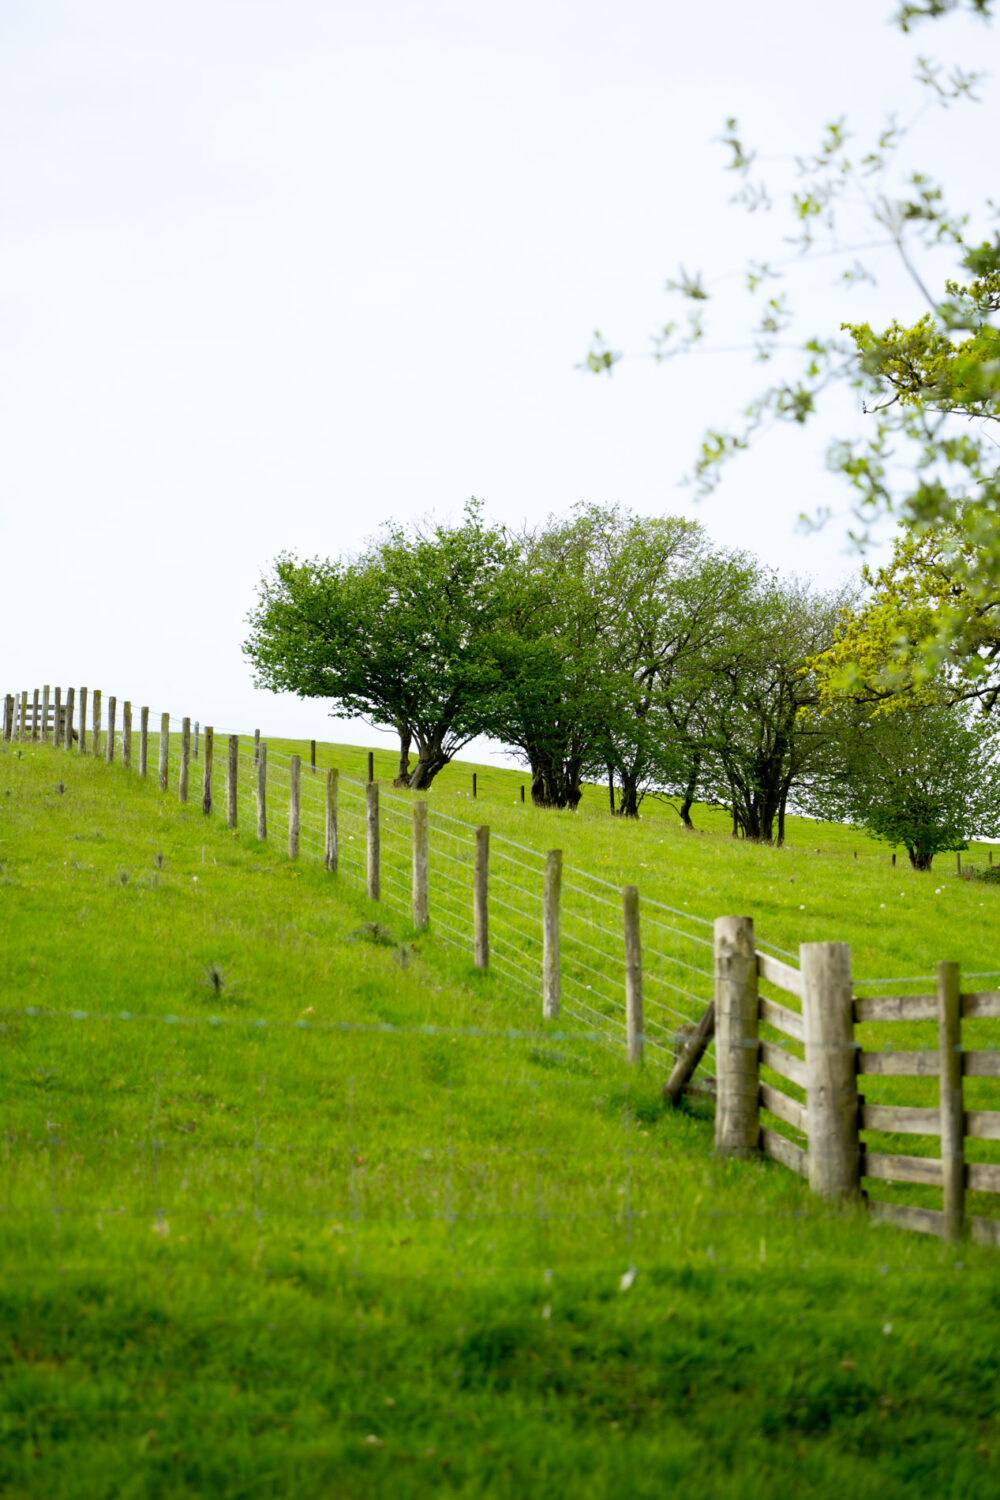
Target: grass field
x: 288, y: 1211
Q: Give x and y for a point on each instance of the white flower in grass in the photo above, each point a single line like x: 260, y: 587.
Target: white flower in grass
x: 628, y: 1279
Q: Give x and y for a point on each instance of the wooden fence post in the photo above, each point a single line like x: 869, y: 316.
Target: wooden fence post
x: 474, y: 786
x: 95, y: 724
x: 70, y: 705
x: 127, y: 735
x: 373, y: 849
x: 22, y: 728
x: 312, y: 756
x: 143, y: 741
x: 184, y: 777
x: 256, y: 746
x: 551, y: 893
x: 83, y: 721
x: 57, y: 725
x: 331, y: 850
x: 164, y: 750
x: 110, y: 746
x: 8, y: 718
x: 197, y: 727
x: 371, y: 766
x: 481, y: 899
x: 206, y: 780
x: 421, y: 913
x: 34, y: 714
x: 294, y: 804
x: 262, y: 790
x: 633, y: 975
x: 46, y: 690
x: 737, y: 1112
x: 831, y: 1070
x: 232, y: 780
x: 951, y: 1100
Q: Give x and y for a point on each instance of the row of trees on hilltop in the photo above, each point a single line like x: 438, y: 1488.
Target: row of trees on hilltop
x: 606, y: 645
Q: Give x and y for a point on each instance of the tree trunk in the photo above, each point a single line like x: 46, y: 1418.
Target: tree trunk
x: 430, y: 760
x: 403, y: 773
x: 920, y: 859
x: 628, y: 802
x: 690, y: 789
x: 611, y: 788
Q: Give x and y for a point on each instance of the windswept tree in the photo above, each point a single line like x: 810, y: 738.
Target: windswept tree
x: 401, y: 636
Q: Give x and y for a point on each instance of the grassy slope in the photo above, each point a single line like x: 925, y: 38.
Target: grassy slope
x: 271, y: 1260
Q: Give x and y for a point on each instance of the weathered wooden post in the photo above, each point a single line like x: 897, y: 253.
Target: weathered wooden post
x: 373, y: 850
x: 127, y: 734
x: 831, y: 1077
x: 958, y: 861
x: 256, y: 746
x: 82, y: 747
x: 95, y: 725
x: 109, y: 749
x: 232, y: 780
x: 70, y: 705
x: 371, y: 766
x: 737, y: 1113
x: 8, y: 718
x: 164, y: 750
x: 57, y: 725
x: 551, y: 893
x: 34, y: 715
x: 294, y: 804
x: 421, y: 913
x: 184, y: 776
x: 46, y: 690
x: 952, y: 1104
x: 331, y: 850
x: 633, y: 974
x: 197, y: 727
x: 143, y: 741
x: 206, y: 779
x: 474, y: 786
x: 262, y: 790
x: 481, y: 899
x: 522, y: 791
x: 22, y: 728
x: 312, y: 756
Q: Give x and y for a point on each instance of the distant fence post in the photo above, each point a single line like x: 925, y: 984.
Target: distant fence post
x: 312, y: 756
x: 184, y: 777
x: 95, y: 721
x: 197, y: 727
x: 127, y: 735
x: 22, y: 728
x: 373, y: 877
x: 371, y: 766
x: 331, y: 851
x: 57, y: 736
x: 831, y: 1076
x: 70, y: 705
x: 551, y: 893
x: 256, y: 746
x: 232, y: 780
x: 294, y: 804
x: 143, y: 741
x: 46, y: 690
x: 951, y: 1101
x: 633, y: 974
x: 8, y: 718
x: 83, y: 721
x: 481, y: 899
x: 164, y: 750
x: 421, y: 913
x: 34, y: 714
x: 261, y: 790
x: 206, y: 780
x: 474, y: 786
x: 109, y: 749
x: 737, y: 1112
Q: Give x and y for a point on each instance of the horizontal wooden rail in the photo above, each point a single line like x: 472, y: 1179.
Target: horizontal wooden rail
x: 897, y: 1008
x: 900, y: 1064
x: 779, y: 974
x: 779, y: 1149
x: 887, y: 1168
x: 923, y: 1220
x: 901, y: 1120
x: 985, y: 1231
x: 784, y: 1063
x: 981, y: 1064
x: 785, y: 1108
x: 982, y: 1177
x: 982, y: 1005
x: 983, y: 1124
x: 782, y: 1019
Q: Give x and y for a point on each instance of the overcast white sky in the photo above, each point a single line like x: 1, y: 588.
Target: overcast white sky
x: 272, y: 274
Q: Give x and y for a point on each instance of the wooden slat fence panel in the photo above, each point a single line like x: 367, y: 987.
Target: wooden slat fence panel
x: 779, y: 974
x: 923, y: 1220
x: 785, y: 1108
x: 782, y: 1019
x: 784, y: 1151
x: 900, y: 1064
x: 888, y: 1168
x: 981, y: 1006
x: 901, y: 1120
x: 982, y: 1177
x: 983, y: 1124
x: 785, y: 1063
x: 981, y: 1064
x: 897, y: 1008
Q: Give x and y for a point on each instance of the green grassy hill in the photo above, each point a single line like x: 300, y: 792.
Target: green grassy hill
x: 292, y: 1204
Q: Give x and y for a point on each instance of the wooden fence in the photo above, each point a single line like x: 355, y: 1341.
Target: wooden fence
x: 791, y: 1041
